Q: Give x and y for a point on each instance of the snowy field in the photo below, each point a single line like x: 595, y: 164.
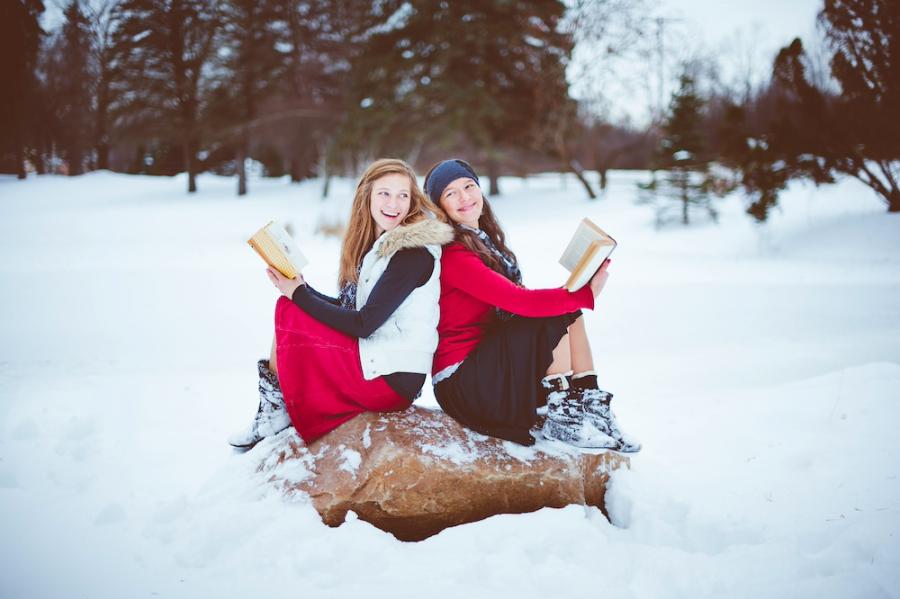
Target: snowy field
x: 760, y: 366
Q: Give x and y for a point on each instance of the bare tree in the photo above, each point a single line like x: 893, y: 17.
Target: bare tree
x: 103, y: 25
x: 609, y: 37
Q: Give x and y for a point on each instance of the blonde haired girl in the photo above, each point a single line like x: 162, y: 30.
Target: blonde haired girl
x: 368, y: 349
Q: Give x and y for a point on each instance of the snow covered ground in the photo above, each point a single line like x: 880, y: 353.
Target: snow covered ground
x: 760, y: 366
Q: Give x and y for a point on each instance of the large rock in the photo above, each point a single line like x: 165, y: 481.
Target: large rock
x: 417, y: 472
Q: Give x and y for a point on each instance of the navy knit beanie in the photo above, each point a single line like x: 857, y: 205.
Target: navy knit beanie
x: 446, y: 173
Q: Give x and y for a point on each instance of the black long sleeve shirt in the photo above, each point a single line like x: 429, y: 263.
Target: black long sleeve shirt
x: 408, y: 269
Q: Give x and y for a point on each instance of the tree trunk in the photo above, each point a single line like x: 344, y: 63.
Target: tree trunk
x: 894, y: 201
x: 573, y: 165
x: 102, y: 147
x: 493, y: 176
x: 100, y: 126
x: 413, y: 155
x: 40, y: 159
x: 103, y: 156
x: 579, y: 172
x: 75, y: 166
x: 20, y: 161
x: 685, y: 199
x: 326, y: 172
x: 187, y: 150
x: 242, y: 170
x: 243, y: 145
x: 138, y: 166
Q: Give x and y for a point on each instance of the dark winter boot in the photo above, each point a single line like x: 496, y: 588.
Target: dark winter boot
x: 271, y: 416
x: 566, y: 420
x: 596, y: 405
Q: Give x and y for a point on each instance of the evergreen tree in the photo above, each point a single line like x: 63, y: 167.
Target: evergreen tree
x: 41, y: 124
x: 865, y: 38
x: 748, y: 153
x: 104, y: 22
x: 20, y: 39
x: 682, y: 152
x: 163, y: 48
x: 324, y: 39
x: 249, y: 32
x: 684, y: 143
x: 820, y: 134
x: 465, y: 73
x: 73, y: 88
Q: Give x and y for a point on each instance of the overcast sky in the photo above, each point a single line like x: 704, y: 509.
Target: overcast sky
x: 716, y: 19
x: 740, y: 38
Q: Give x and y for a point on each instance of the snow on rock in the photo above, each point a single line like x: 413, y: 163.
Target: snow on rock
x: 417, y: 472
x: 350, y: 460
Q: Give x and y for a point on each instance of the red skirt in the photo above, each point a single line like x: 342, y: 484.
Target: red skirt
x: 321, y: 375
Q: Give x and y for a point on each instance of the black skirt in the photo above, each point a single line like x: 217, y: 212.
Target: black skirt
x: 497, y: 389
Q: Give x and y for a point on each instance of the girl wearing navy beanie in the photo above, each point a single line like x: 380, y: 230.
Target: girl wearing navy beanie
x: 503, y: 349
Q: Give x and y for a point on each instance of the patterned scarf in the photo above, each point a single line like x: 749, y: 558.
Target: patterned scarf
x: 510, y: 268
x: 347, y: 294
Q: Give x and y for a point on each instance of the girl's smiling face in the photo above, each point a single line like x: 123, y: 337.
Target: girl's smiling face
x: 463, y: 202
x: 389, y: 201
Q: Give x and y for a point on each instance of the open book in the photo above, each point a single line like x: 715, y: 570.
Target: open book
x: 584, y: 255
x: 276, y: 246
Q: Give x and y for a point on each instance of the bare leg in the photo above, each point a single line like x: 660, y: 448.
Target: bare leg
x: 573, y: 351
x: 580, y: 347
x: 562, y: 360
x: 272, y: 362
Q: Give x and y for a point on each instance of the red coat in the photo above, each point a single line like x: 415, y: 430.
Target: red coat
x: 469, y: 293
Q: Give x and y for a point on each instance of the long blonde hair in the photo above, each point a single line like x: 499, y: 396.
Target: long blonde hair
x: 361, y: 230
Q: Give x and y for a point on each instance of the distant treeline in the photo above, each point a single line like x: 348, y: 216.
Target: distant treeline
x: 316, y: 87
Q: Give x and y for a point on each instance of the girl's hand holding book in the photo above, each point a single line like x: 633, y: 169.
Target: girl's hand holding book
x: 285, y: 285
x: 599, y: 278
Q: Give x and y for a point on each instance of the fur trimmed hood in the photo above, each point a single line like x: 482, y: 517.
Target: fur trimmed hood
x: 425, y: 232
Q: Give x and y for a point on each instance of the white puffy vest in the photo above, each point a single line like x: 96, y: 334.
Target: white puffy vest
x: 407, y: 340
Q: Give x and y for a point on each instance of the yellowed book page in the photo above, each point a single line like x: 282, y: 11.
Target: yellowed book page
x: 278, y: 249
x: 585, y: 268
x: 586, y: 233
